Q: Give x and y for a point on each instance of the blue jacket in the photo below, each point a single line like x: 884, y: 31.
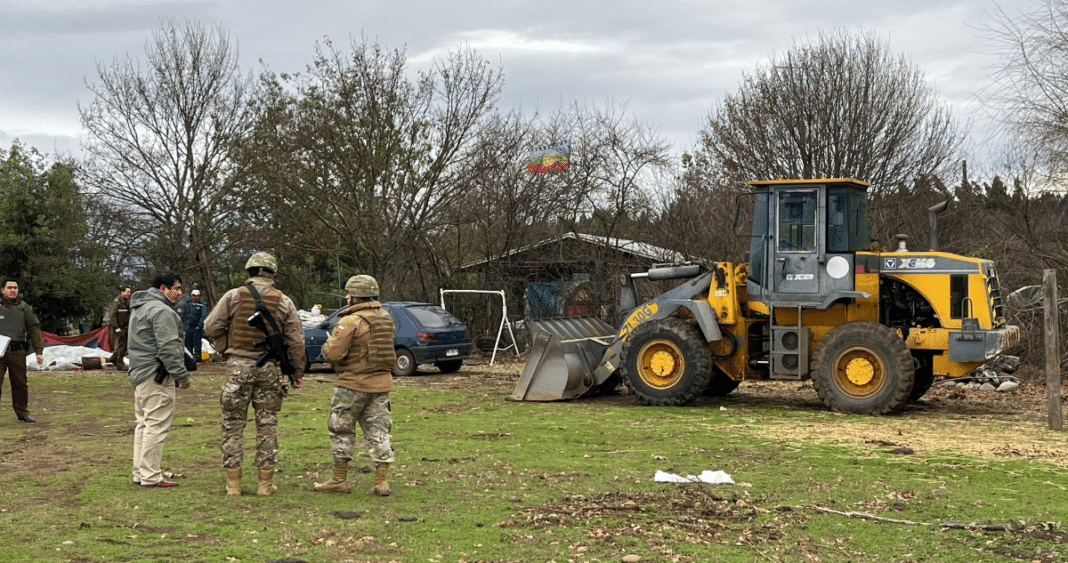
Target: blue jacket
x: 193, y: 316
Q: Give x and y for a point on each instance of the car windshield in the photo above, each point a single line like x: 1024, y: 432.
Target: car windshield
x: 433, y: 316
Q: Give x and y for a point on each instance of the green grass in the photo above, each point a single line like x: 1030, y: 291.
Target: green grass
x: 478, y: 478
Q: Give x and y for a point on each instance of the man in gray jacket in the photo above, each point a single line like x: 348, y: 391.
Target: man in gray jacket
x: 157, y: 366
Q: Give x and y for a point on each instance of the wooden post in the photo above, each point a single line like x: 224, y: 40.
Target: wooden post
x: 1053, y: 349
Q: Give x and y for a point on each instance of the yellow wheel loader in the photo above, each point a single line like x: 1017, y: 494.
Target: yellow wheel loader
x: 871, y: 327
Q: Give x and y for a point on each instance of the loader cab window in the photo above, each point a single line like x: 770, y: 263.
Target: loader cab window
x: 797, y: 221
x: 760, y: 236
x: 847, y: 219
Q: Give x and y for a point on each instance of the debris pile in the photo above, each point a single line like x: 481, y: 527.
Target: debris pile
x: 995, y: 375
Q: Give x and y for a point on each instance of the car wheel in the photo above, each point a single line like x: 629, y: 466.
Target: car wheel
x: 405, y: 363
x: 449, y: 366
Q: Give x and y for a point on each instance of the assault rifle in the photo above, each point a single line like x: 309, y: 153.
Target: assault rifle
x: 273, y: 343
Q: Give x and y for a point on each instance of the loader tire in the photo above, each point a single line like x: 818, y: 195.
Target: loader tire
x: 666, y: 362
x: 863, y: 368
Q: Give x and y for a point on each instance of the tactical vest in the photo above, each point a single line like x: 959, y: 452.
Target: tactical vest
x: 380, y: 353
x: 242, y: 336
x: 370, y: 359
x: 13, y: 322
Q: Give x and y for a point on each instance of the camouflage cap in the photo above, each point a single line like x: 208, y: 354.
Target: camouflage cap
x: 262, y: 260
x: 362, y: 286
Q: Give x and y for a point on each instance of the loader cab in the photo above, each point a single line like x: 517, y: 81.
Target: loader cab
x: 805, y: 235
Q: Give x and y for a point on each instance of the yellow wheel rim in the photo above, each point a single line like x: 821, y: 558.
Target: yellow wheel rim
x: 859, y: 373
x: 661, y: 364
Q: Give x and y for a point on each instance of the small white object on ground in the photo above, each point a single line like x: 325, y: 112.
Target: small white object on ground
x: 706, y: 476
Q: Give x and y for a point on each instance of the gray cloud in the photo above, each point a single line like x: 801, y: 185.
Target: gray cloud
x: 668, y: 61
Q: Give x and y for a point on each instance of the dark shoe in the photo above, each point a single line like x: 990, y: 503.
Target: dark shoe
x: 161, y: 485
x: 27, y: 418
x: 120, y: 368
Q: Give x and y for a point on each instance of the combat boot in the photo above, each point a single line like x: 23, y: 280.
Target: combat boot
x: 340, y: 482
x: 266, y: 485
x: 381, y: 487
x: 233, y: 482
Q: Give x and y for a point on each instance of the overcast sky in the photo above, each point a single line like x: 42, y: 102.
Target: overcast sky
x: 668, y: 61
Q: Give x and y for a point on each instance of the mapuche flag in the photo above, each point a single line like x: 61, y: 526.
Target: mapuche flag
x: 556, y: 157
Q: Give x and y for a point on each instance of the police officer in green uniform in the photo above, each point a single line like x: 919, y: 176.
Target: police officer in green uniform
x: 119, y: 326
x: 17, y: 321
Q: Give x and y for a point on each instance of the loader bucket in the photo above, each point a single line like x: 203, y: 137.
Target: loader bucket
x: 562, y: 360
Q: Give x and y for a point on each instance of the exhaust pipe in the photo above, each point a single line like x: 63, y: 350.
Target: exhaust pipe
x: 932, y: 222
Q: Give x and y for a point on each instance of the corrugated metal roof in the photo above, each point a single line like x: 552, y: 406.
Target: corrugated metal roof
x: 640, y: 249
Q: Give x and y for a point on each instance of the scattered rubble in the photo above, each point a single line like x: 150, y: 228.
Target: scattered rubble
x: 995, y: 375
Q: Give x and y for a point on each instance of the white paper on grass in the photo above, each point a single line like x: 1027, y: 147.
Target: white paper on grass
x: 706, y: 476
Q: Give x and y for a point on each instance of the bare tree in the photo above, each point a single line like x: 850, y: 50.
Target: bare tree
x: 618, y: 165
x: 1029, y: 91
x: 621, y: 166
x: 840, y: 107
x: 161, y: 139
x: 374, y: 158
x: 698, y: 220
x: 503, y: 206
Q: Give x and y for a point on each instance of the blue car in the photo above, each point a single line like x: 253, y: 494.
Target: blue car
x: 424, y: 334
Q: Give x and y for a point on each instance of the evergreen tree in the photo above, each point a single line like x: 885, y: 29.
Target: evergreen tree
x: 42, y: 240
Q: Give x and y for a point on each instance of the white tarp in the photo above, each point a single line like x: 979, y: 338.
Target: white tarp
x: 70, y: 357
x: 311, y: 319
x: 65, y: 357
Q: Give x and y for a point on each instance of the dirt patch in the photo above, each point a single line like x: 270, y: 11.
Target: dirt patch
x: 988, y: 424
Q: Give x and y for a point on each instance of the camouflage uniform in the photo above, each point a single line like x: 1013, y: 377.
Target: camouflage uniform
x: 361, y: 351
x: 262, y: 387
x: 231, y: 334
x: 118, y: 329
x: 373, y: 413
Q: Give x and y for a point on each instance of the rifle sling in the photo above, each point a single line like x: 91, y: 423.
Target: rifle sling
x: 262, y: 308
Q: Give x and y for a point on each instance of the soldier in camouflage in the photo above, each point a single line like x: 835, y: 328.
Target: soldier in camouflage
x: 231, y: 334
x: 361, y: 350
